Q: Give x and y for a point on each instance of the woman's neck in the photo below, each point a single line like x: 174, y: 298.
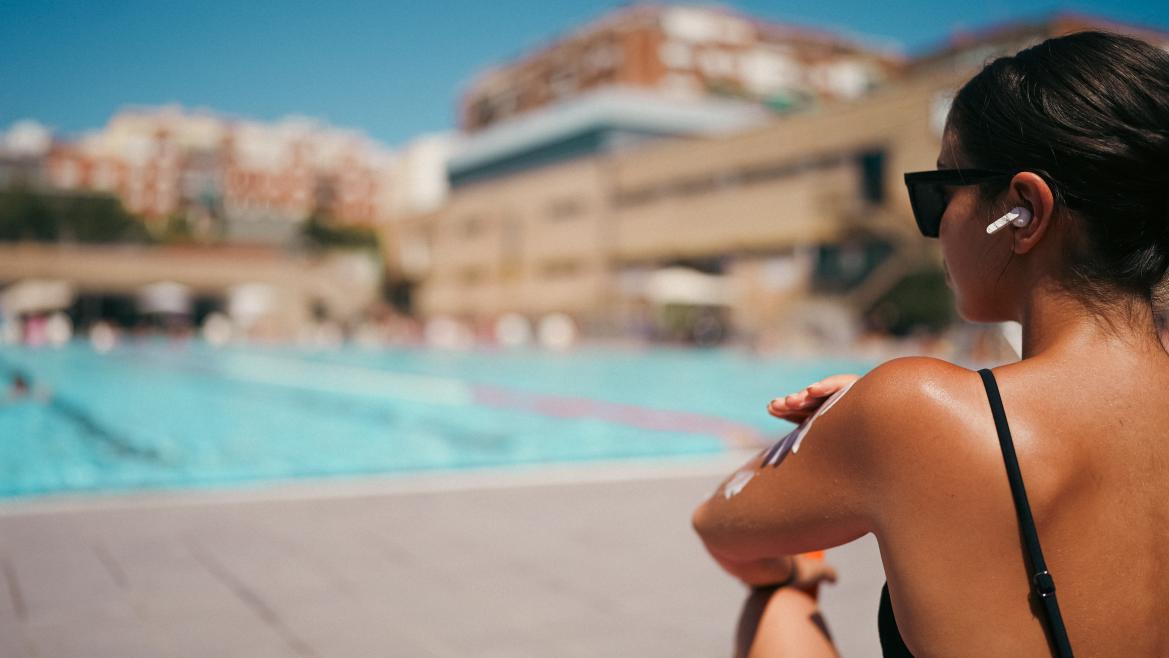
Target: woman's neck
x: 1058, y: 325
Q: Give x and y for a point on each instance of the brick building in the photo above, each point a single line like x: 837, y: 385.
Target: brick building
x: 685, y: 52
x: 246, y: 181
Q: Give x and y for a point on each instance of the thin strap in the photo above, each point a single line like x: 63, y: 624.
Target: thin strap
x: 1042, y: 584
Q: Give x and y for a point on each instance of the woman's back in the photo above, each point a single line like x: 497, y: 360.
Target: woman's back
x: 1090, y: 438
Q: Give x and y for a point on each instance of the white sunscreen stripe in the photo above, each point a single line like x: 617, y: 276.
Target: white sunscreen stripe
x: 361, y: 382
x: 790, y: 443
x: 807, y: 424
x: 736, y: 483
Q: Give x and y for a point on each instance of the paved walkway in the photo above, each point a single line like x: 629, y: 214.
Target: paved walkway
x: 568, y: 562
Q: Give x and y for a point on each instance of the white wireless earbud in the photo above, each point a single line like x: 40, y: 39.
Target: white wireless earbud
x: 1018, y: 216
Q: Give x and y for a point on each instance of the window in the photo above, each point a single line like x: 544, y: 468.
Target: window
x: 730, y: 178
x: 872, y: 166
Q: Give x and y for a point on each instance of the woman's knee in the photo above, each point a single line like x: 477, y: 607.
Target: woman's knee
x: 782, y: 621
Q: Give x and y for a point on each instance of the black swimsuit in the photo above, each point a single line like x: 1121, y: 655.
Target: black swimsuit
x: 1042, y: 584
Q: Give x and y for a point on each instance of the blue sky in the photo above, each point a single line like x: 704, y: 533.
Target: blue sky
x: 393, y: 69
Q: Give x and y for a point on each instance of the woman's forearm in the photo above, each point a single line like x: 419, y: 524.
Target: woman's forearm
x: 753, y: 571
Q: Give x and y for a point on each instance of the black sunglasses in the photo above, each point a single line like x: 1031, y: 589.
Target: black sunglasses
x: 927, y: 192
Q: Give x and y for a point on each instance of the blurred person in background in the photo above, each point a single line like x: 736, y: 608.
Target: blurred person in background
x: 985, y: 489
x: 18, y: 387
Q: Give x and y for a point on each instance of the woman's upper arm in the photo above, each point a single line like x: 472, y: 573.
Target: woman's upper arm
x: 827, y: 493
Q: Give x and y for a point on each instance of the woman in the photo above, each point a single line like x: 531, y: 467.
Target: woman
x: 1062, y: 151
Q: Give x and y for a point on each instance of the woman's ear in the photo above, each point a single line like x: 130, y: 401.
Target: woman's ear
x: 1035, y: 195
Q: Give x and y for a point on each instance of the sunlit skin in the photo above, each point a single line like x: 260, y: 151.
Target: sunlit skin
x: 910, y: 454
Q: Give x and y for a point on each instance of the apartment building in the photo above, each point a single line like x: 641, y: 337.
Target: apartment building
x: 685, y: 52
x: 247, y: 181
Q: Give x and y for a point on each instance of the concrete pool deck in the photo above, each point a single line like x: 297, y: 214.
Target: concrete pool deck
x: 554, y: 561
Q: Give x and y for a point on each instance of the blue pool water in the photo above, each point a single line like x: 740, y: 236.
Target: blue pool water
x: 158, y: 414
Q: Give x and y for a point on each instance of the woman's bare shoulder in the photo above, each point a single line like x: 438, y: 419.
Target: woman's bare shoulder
x: 912, y: 385
x: 913, y: 406
x: 914, y: 368
x: 895, y: 407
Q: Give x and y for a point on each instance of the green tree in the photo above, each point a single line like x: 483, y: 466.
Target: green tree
x: 28, y: 215
x: 177, y: 230
x: 25, y: 216
x: 319, y: 232
x: 920, y: 300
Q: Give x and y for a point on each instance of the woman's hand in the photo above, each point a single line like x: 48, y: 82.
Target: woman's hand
x: 798, y: 406
x: 811, y: 571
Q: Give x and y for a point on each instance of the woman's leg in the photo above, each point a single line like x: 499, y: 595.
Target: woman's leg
x: 782, y: 622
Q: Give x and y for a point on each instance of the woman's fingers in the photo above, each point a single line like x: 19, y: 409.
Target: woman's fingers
x: 801, y: 404
x: 781, y: 409
x: 789, y: 414
x: 798, y: 401
x: 830, y: 385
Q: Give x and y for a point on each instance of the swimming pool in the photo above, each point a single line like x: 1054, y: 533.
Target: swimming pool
x: 157, y: 414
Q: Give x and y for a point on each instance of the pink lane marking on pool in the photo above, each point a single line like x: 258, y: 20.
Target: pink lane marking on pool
x: 561, y: 406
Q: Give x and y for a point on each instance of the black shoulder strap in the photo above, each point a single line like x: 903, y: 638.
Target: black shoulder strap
x: 1042, y: 583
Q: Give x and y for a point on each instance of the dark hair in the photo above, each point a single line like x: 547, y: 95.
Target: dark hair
x: 1089, y: 112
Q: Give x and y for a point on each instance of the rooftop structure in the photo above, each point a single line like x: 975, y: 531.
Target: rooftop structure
x: 603, y: 120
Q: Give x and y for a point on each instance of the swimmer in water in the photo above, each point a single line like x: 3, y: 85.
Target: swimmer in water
x: 18, y: 388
